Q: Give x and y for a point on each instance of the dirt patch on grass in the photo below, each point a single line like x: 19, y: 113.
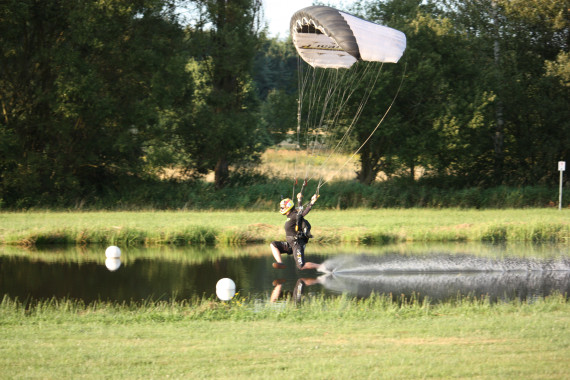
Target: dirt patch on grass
x: 444, y: 341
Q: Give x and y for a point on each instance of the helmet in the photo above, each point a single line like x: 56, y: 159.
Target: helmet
x: 285, y: 205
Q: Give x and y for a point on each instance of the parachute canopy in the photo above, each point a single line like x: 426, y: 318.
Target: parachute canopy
x: 328, y: 38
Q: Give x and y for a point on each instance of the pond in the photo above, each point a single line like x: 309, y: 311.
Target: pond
x: 438, y: 271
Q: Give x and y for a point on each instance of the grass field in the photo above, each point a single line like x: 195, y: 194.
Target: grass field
x: 325, y: 339
x: 290, y: 163
x: 335, y: 338
x: 225, y: 228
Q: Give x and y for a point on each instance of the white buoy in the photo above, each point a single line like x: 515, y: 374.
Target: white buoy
x: 226, y: 289
x: 112, y: 263
x: 113, y: 252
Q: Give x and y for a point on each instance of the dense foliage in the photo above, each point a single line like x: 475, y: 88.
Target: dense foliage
x: 82, y: 88
x: 481, y: 101
x: 98, y: 97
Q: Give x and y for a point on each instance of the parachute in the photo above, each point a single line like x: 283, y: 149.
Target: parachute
x: 340, y: 59
x: 328, y: 38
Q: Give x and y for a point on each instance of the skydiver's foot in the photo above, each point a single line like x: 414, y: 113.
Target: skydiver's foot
x: 279, y: 266
x: 310, y: 266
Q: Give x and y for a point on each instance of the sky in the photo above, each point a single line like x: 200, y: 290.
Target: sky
x: 278, y: 13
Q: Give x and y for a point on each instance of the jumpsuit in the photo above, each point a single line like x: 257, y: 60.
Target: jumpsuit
x: 297, y: 235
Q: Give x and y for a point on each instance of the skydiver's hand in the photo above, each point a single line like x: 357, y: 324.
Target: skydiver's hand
x: 299, y: 197
x: 314, y: 198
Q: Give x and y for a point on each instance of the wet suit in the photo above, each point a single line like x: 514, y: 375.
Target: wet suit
x: 297, y: 235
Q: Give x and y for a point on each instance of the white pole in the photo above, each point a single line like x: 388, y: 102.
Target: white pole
x: 560, y: 192
x: 561, y: 168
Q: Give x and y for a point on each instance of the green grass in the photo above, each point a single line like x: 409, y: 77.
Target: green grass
x: 226, y: 228
x: 322, y: 338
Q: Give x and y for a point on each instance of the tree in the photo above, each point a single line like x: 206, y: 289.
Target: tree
x: 482, y: 100
x: 81, y: 84
x: 276, y: 82
x: 517, y: 40
x: 224, y: 130
x: 408, y: 137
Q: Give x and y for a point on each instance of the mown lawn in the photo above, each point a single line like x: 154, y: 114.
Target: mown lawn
x: 324, y: 339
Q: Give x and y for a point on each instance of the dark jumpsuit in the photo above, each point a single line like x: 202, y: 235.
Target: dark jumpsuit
x: 295, y: 244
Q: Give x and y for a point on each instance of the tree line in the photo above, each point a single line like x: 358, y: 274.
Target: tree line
x: 102, y: 94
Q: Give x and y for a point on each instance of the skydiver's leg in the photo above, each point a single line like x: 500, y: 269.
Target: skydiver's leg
x: 277, y: 248
x: 275, y: 252
x: 299, y: 255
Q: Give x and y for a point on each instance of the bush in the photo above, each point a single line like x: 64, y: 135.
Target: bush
x: 258, y: 192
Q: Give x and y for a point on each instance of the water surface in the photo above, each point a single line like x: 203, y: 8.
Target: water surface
x: 501, y: 272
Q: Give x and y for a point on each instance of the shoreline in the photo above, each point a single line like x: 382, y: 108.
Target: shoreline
x: 240, y: 228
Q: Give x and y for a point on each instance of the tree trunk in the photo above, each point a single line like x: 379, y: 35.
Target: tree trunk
x: 498, y: 137
x: 221, y: 173
x: 368, y: 168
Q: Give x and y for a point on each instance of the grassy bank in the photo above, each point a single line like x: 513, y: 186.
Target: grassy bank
x: 224, y: 228
x: 326, y: 338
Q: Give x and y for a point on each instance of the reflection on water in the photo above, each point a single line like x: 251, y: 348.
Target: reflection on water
x: 495, y: 285
x: 437, y: 271
x: 113, y: 263
x: 139, y: 274
x: 446, y: 277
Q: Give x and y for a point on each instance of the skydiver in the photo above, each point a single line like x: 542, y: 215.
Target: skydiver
x: 297, y: 233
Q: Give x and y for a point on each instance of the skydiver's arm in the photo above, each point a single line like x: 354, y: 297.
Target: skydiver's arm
x: 309, y: 205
